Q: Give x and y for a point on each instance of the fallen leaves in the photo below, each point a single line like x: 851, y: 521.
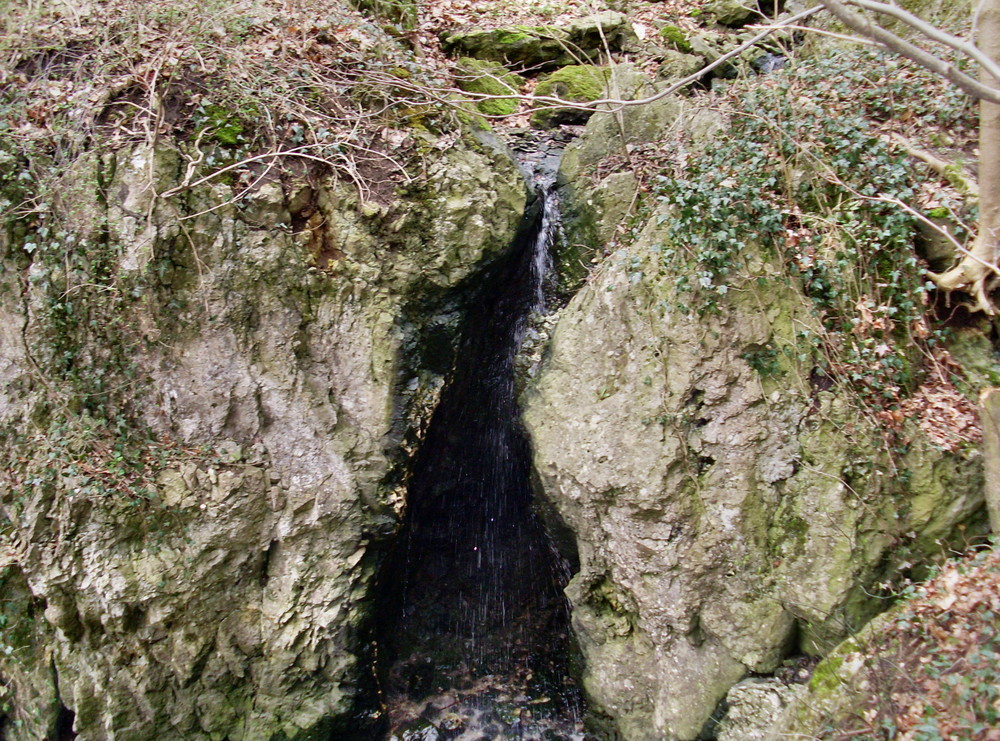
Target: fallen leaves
x: 935, y: 670
x: 946, y: 416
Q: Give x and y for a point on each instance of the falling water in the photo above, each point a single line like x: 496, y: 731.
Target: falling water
x: 480, y: 637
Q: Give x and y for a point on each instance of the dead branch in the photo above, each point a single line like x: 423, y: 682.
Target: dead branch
x: 892, y: 42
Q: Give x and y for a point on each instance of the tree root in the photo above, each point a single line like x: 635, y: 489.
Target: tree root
x: 971, y: 278
x: 950, y: 171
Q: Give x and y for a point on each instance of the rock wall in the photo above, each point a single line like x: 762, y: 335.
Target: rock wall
x: 290, y: 348
x: 724, y: 517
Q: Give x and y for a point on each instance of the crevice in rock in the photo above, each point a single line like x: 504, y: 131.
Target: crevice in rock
x: 472, y: 605
x: 64, y: 724
x: 265, y: 562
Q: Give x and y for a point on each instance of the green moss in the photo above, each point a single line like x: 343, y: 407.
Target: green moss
x: 676, y: 38
x: 489, y: 78
x: 825, y: 676
x: 579, y: 83
x: 506, y: 37
x: 472, y: 120
x: 226, y: 128
x: 788, y: 535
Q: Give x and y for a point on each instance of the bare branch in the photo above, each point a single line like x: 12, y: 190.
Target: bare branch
x: 931, y: 32
x: 694, y: 77
x: 947, y: 170
x: 831, y: 34
x: 894, y: 43
x: 299, y: 152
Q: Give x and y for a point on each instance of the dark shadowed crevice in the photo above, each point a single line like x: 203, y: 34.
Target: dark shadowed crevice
x: 473, y: 607
x: 63, y: 730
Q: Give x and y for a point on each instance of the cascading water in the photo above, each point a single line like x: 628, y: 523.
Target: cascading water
x: 479, y: 636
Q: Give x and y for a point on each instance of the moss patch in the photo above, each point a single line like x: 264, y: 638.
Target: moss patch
x: 579, y: 83
x: 676, y: 38
x: 489, y: 78
x: 226, y: 127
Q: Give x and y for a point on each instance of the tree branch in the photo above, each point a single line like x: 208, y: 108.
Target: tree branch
x: 931, y: 32
x: 950, y: 171
x: 894, y: 43
x: 615, y: 104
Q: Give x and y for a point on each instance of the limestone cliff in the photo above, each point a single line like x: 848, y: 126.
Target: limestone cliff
x: 280, y: 354
x: 727, y: 511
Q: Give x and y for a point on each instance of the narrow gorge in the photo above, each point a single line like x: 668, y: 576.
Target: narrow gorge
x: 478, y: 620
x: 461, y: 372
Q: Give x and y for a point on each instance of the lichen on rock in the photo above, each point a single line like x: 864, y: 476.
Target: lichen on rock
x: 543, y: 47
x: 279, y: 382
x: 728, y: 507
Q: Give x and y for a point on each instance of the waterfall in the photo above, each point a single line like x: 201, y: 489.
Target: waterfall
x: 480, y: 612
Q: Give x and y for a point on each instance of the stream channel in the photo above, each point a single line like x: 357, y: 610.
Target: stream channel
x: 477, y: 645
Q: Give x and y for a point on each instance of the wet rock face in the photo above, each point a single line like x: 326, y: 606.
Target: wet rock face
x: 289, y: 347
x: 723, y: 517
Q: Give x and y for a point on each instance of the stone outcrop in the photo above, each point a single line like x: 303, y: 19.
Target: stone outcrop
x: 481, y: 77
x: 543, y: 47
x: 724, y: 517
x: 577, y: 83
x: 291, y: 346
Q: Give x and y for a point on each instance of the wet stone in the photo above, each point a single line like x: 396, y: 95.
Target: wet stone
x: 418, y: 730
x: 477, y: 615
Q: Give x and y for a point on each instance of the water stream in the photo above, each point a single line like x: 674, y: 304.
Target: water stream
x: 478, y: 644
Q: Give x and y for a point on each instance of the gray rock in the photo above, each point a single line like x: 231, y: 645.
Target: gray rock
x: 543, y: 47
x: 754, y: 707
x: 235, y: 602
x: 707, y: 502
x: 677, y: 65
x: 732, y: 13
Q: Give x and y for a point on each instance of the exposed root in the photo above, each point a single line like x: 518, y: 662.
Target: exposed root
x: 979, y: 288
x: 973, y: 276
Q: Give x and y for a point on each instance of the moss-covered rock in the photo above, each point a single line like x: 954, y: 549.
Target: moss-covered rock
x: 592, y: 209
x: 489, y: 78
x: 676, y: 38
x: 732, y: 13
x: 744, y: 516
x: 542, y: 47
x: 283, y: 348
x: 727, y: 506
x: 839, y: 685
x: 578, y: 83
x: 675, y: 65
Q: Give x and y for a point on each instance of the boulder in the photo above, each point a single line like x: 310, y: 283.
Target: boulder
x: 290, y: 350
x: 543, y: 47
x: 725, y: 512
x: 732, y: 13
x: 754, y: 706
x: 592, y: 212
x: 579, y: 83
x: 713, y: 525
x: 489, y: 78
x: 675, y: 65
